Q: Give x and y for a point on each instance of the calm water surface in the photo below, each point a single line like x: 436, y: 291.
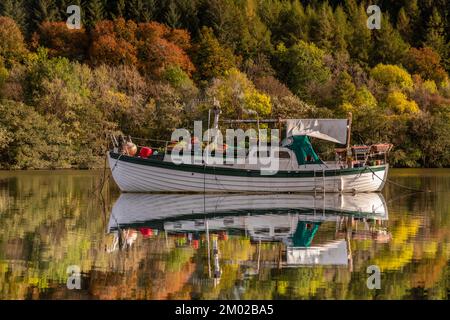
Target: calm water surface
x: 221, y: 247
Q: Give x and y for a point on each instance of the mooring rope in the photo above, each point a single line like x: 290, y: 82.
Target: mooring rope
x: 104, y: 180
x: 398, y: 184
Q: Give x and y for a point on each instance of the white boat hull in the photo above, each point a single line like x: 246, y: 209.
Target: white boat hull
x: 139, y: 175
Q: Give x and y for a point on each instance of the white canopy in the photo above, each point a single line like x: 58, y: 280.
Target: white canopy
x: 334, y: 130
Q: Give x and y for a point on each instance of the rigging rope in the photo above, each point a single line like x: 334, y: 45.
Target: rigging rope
x: 103, y: 182
x: 398, y: 184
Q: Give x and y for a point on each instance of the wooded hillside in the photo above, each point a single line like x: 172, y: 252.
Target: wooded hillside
x: 145, y: 67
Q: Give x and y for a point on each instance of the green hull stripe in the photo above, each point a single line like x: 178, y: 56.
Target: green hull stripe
x: 220, y: 171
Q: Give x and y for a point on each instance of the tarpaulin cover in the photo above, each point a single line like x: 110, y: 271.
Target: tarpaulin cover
x: 334, y: 130
x: 304, y: 151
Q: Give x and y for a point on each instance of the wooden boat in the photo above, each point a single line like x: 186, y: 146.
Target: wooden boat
x: 299, y: 167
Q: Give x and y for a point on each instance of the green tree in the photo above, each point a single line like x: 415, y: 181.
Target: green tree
x: 70, y: 92
x: 15, y: 10
x: 95, y: 12
x: 225, y: 18
x: 409, y: 22
x: 172, y: 16
x: 301, y: 66
x: 210, y: 57
x: 120, y: 9
x: 296, y: 25
x: 189, y: 15
x: 436, y: 38
x: 255, y: 38
x: 340, y: 30
x: 431, y: 134
x: 286, y: 20
x: 413, y: 13
x: 322, y: 27
x: 165, y: 112
x: 44, y: 10
x: 61, y: 8
x: 389, y: 46
x: 237, y: 26
x: 360, y: 37
x: 345, y: 89
x: 404, y: 25
x: 141, y: 10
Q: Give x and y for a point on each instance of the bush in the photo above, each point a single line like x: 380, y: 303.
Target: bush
x: 392, y: 76
x: 398, y: 102
x: 29, y: 140
x: 426, y: 63
x: 237, y: 94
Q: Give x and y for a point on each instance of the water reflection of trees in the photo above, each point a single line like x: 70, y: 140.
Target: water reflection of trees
x: 48, y: 222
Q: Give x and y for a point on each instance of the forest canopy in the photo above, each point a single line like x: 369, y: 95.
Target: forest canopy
x: 145, y: 67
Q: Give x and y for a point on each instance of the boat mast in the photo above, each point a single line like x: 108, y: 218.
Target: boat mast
x: 349, y: 132
x: 216, y: 111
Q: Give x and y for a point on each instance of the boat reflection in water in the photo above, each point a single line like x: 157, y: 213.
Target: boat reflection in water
x: 293, y: 220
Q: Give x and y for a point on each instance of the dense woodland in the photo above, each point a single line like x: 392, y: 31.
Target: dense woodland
x: 145, y: 67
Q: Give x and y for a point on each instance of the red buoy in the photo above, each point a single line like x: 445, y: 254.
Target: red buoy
x: 145, y: 152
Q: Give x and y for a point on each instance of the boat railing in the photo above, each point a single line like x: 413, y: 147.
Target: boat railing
x: 155, y: 144
x: 364, y: 155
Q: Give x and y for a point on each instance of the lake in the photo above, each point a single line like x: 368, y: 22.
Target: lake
x: 54, y: 224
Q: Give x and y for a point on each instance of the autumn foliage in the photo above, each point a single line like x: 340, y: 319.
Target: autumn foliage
x: 427, y: 63
x: 113, y: 43
x: 140, y: 62
x: 12, y: 46
x: 159, y: 47
x: 62, y: 41
x: 151, y: 46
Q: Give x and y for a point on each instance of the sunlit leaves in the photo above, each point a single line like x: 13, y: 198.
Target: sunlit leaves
x: 392, y: 75
x: 398, y: 102
x: 12, y: 46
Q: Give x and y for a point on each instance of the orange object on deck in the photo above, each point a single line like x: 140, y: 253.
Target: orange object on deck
x: 130, y: 149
